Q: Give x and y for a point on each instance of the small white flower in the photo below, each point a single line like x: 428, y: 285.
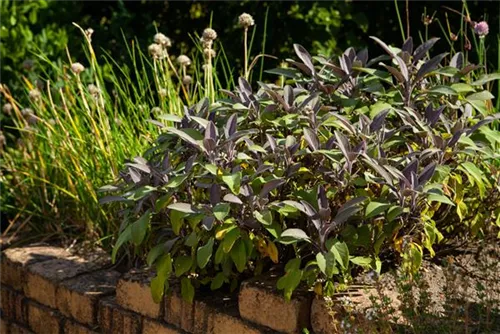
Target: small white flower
x: 7, y: 108
x: 93, y: 90
x: 155, y: 50
x: 209, y: 34
x: 162, y: 92
x: 77, y: 68
x: 163, y: 40
x: 156, y: 110
x: 186, y: 80
x: 34, y: 94
x: 206, y: 43
x: 246, y: 20
x: 209, y: 53
x: 183, y: 60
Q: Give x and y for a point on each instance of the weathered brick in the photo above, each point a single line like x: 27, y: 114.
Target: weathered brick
x: 150, y: 326
x: 4, y: 325
x: 321, y: 320
x: 42, y: 319
x: 43, y: 278
x: 259, y: 301
x: 71, y: 327
x: 133, y: 292
x: 13, y: 305
x: 16, y: 260
x: 18, y: 329
x: 223, y: 323
x: 114, y: 319
x: 179, y: 312
x: 78, y: 297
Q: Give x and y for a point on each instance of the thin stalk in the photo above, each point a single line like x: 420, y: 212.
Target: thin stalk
x: 399, y: 20
x: 245, y: 51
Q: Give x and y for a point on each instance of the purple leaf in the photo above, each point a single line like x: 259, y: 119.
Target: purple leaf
x: 215, y: 193
x: 378, y: 121
x: 304, y: 56
x: 270, y: 186
x: 311, y: 139
x: 426, y: 173
x: 430, y: 65
x: 423, y: 48
x: 231, y: 124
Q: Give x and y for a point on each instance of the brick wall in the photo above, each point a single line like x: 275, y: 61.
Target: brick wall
x: 46, y: 289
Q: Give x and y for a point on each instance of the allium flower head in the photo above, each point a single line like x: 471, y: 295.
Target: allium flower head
x: 26, y: 112
x: 206, y: 43
x: 481, y: 28
x: 246, y: 20
x: 77, y: 68
x: 155, y: 50
x: 93, y: 90
x: 7, y: 108
x: 162, y: 92
x: 162, y: 40
x: 209, y: 34
x: 184, y: 60
x: 34, y: 94
x: 186, y: 80
x: 209, y: 53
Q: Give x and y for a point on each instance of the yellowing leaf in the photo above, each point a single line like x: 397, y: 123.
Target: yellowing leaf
x: 318, y: 289
x: 272, y: 251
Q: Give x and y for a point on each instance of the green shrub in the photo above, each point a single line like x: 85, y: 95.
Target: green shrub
x: 350, y: 162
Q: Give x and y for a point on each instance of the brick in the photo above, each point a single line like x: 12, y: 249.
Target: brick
x: 224, y: 323
x: 133, y: 292
x: 179, y: 312
x: 71, y: 327
x: 42, y: 319
x: 150, y: 326
x: 259, y: 300
x: 78, y: 297
x: 44, y: 277
x: 322, y: 322
x: 18, y: 329
x: 13, y: 305
x: 114, y: 319
x: 16, y: 260
x: 4, y: 325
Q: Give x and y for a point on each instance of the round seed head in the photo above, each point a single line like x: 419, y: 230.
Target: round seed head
x: 155, y: 50
x: 7, y: 108
x: 246, y: 20
x: 183, y: 60
x: 162, y: 40
x: 93, y: 90
x: 77, y: 68
x: 162, y: 92
x: 206, y: 43
x: 482, y: 29
x: 186, y: 80
x: 156, y: 110
x: 35, y: 95
x: 209, y: 34
x: 31, y: 119
x: 209, y: 53
x: 26, y: 112
x: 118, y: 121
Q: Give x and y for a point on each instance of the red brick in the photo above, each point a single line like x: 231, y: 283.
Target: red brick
x: 13, y: 305
x: 259, y: 302
x: 114, y: 319
x: 133, y: 292
x: 16, y: 260
x: 71, y: 327
x: 42, y: 319
x: 150, y: 326
x: 78, y: 297
x: 43, y: 278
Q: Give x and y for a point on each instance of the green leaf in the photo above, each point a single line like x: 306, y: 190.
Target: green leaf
x: 475, y: 176
x: 229, y: 239
x: 486, y: 78
x: 177, y: 220
x: 289, y: 282
x: 233, y: 181
x: 154, y: 253
x: 445, y: 90
x: 204, y: 253
x: 394, y: 212
x: 462, y: 87
x: 176, y: 181
x: 124, y: 237
x: 221, y: 210
x: 211, y: 168
x: 140, y: 227
x: 326, y: 263
x: 187, y: 290
x: 217, y: 281
x: 238, y: 255
x: 433, y: 197
x: 182, y: 207
x: 361, y: 261
x: 158, y: 286
x: 375, y: 208
x: 481, y: 96
x: 265, y: 218
x: 170, y: 118
x: 341, y: 253
x: 192, y: 240
x: 187, y: 135
x: 164, y: 266
x: 182, y: 264
x: 292, y: 235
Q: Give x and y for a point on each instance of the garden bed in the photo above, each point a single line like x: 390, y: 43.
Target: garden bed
x: 48, y: 289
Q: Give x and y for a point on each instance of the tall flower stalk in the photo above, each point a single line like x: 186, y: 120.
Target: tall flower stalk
x: 246, y: 21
